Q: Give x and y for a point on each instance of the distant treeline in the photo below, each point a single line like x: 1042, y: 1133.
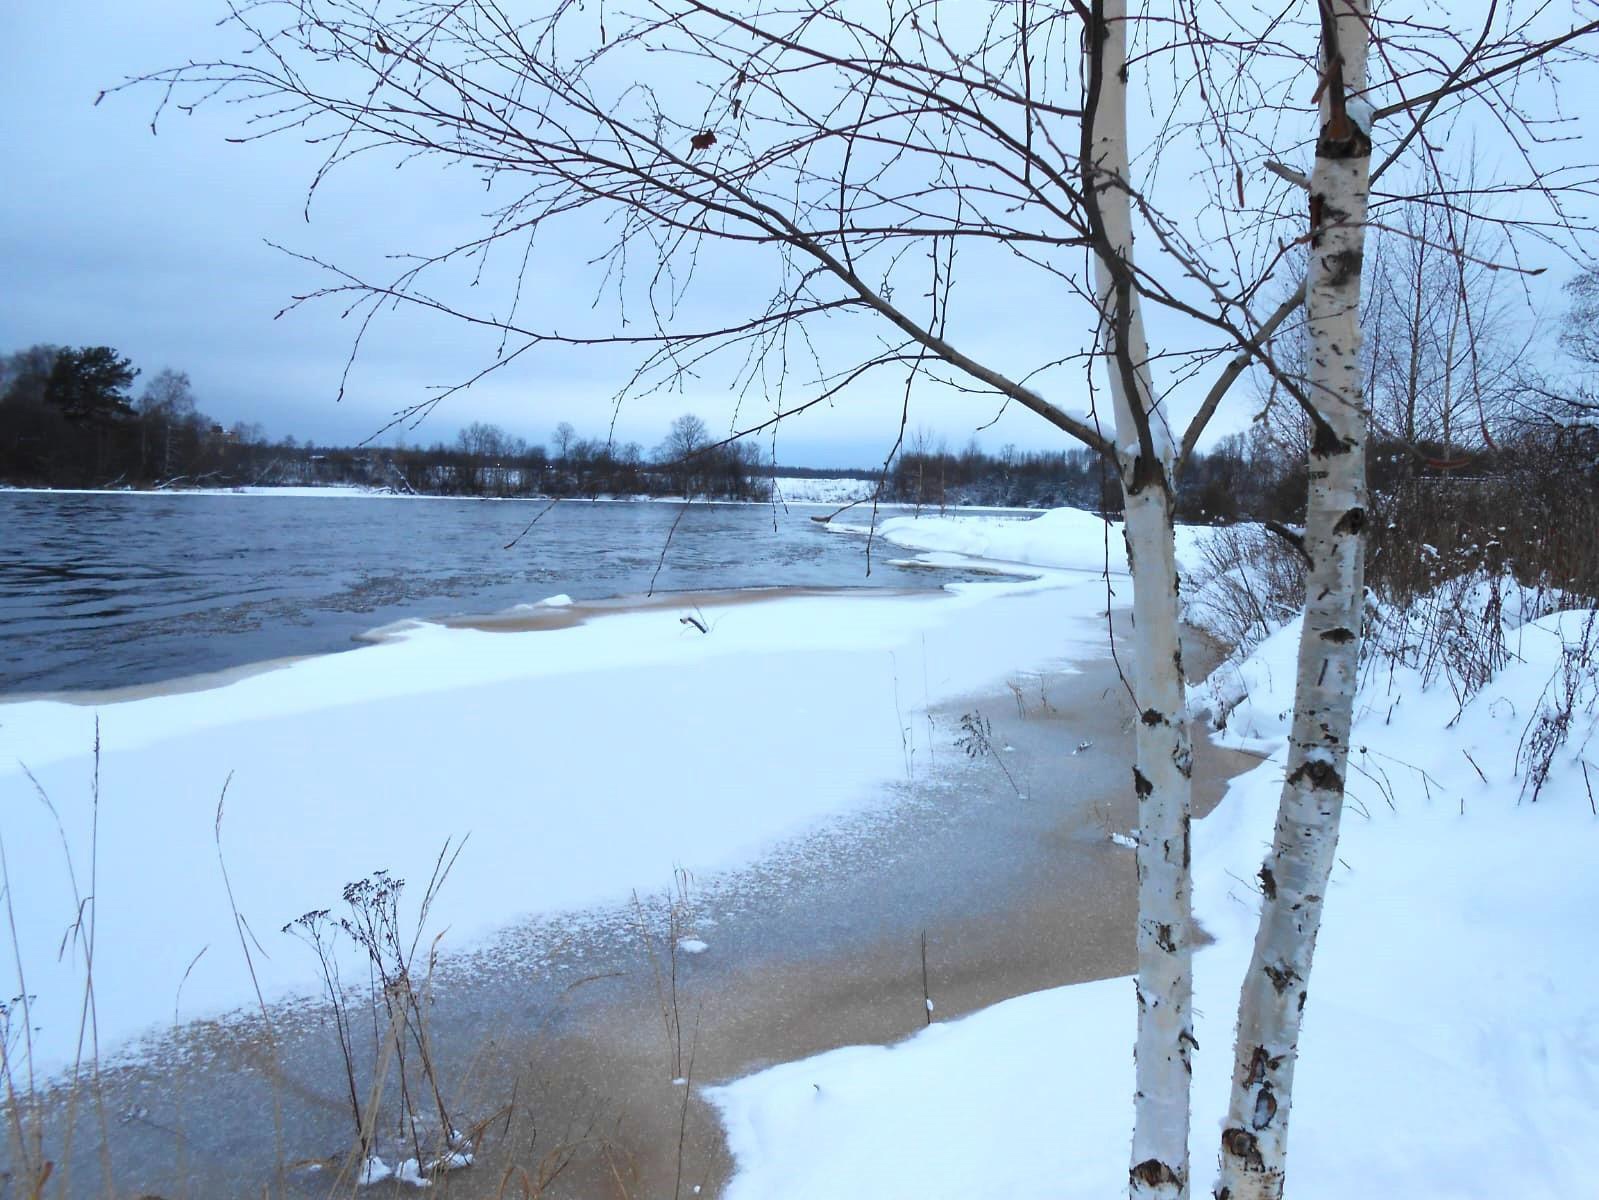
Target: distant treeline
x: 1261, y: 475
x: 1244, y: 477
x: 70, y: 418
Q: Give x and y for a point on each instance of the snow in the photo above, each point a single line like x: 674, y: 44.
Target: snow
x: 579, y: 763
x: 1361, y: 112
x: 692, y: 945
x: 1451, y: 1043
x: 1450, y: 1046
x: 1067, y: 538
x: 374, y: 1170
x: 1062, y: 539
x: 794, y: 489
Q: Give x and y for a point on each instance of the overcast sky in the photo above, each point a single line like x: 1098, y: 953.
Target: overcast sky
x: 157, y: 245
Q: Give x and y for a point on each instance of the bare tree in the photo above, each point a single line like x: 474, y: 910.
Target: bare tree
x: 1440, y: 360
x: 483, y: 446
x: 165, y: 404
x: 824, y: 160
x: 562, y: 439
x: 681, y: 450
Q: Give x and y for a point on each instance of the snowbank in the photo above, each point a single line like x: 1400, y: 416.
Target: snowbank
x: 799, y: 489
x: 1062, y: 539
x: 1066, y: 538
x: 1450, y: 1045
x: 582, y: 762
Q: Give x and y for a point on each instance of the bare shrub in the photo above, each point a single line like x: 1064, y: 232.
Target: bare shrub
x: 977, y: 741
x: 397, y: 1003
x: 1529, y: 510
x: 663, y: 934
x: 1250, y: 582
x: 1455, y: 559
x: 1454, y: 631
x: 1572, y: 691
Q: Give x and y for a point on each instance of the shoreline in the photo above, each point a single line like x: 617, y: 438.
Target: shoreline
x: 338, y: 764
x: 810, y: 948
x: 540, y: 616
x: 792, y: 757
x: 354, y: 492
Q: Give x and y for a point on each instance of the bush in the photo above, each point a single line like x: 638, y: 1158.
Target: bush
x: 1249, y: 583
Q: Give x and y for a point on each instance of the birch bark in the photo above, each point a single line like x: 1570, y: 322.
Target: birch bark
x: 1145, y: 453
x: 1294, y: 877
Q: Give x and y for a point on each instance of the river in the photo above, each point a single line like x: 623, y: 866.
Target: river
x: 101, y: 590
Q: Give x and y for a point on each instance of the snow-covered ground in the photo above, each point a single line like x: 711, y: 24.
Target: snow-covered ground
x: 796, y: 489
x: 1451, y: 1044
x: 581, y: 763
x: 1063, y: 538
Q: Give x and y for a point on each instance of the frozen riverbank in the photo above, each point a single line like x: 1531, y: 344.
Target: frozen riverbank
x: 1448, y: 1048
x: 586, y: 760
x: 580, y: 762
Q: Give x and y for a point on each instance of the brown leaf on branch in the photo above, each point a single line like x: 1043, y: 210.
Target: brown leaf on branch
x: 703, y: 140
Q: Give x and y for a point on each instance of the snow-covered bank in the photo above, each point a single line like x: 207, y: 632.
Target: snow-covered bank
x: 801, y: 489
x: 1449, y: 1046
x: 1062, y: 538
x: 336, y: 491
x: 583, y: 762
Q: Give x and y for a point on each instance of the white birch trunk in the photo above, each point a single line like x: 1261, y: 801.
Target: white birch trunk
x: 1159, y: 1165
x: 1294, y: 877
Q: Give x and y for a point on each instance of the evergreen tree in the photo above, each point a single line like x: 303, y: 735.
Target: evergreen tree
x: 90, y: 385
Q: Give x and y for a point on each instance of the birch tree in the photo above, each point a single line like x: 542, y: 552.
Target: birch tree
x: 1294, y: 878
x: 826, y: 160
x: 1145, y: 462
x: 1295, y: 875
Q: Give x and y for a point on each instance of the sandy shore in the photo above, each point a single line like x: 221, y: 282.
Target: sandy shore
x: 553, y: 1038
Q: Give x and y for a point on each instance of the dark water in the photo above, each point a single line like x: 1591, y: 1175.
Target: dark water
x: 110, y: 590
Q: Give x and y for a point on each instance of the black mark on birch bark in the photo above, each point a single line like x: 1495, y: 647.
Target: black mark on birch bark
x: 1154, y: 1173
x: 1342, y: 267
x: 1282, y: 978
x: 1327, y: 443
x: 1265, y: 1108
x: 1352, y: 521
x: 1317, y: 775
x: 1268, y: 883
x: 1244, y: 1146
x: 1142, y: 786
x: 1345, y: 142
x: 1146, y: 472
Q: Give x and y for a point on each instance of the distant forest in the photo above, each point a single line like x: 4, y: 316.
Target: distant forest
x: 71, y: 418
